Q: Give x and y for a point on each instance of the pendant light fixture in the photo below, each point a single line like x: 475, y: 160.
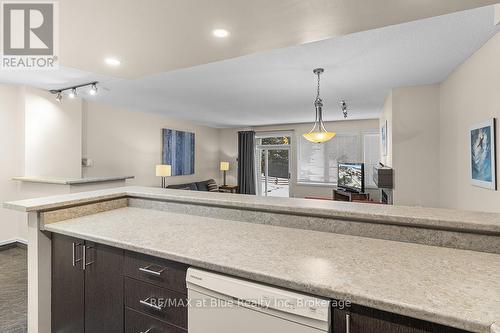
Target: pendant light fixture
x: 318, y: 133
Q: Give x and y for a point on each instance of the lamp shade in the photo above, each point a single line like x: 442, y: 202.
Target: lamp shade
x: 163, y: 170
x: 224, y: 166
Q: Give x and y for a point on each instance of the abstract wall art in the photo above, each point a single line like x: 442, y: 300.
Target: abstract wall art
x: 178, y: 150
x: 383, y: 137
x: 482, y: 154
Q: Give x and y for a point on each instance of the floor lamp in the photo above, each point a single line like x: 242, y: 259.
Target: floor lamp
x: 224, y: 166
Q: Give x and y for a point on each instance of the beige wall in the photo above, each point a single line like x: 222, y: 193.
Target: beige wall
x: 428, y: 134
x: 39, y: 137
x: 497, y: 14
x: 11, y: 158
x: 414, y: 142
x: 470, y: 95
x: 42, y: 137
x: 53, y: 135
x: 123, y: 142
x: 228, y: 143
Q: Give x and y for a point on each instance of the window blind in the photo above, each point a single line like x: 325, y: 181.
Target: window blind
x: 371, y: 156
x: 317, y: 163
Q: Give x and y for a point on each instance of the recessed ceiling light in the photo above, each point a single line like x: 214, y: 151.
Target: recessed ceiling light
x: 220, y: 33
x: 112, y: 61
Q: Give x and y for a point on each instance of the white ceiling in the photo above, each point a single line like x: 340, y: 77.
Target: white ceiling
x: 277, y: 87
x: 155, y: 36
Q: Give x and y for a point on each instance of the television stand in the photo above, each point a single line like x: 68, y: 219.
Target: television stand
x: 341, y: 195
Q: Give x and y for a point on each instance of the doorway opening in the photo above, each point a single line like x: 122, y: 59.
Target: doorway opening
x: 273, y: 165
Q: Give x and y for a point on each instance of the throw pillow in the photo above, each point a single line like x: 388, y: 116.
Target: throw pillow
x: 212, y: 186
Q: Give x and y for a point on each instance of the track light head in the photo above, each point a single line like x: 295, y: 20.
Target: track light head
x: 343, y: 105
x: 73, y: 93
x: 59, y: 96
x: 93, y: 90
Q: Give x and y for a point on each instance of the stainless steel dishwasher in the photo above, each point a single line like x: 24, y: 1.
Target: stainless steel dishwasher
x: 223, y: 304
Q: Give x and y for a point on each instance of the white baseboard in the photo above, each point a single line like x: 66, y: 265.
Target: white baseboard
x: 14, y: 240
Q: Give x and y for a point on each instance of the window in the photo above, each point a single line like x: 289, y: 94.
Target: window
x: 317, y: 163
x: 275, y: 140
x: 371, y: 155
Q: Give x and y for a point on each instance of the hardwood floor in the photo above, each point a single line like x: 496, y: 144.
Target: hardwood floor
x: 13, y: 290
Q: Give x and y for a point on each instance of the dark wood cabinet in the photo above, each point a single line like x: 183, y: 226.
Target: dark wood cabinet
x: 155, y: 293
x: 139, y: 322
x: 339, y: 195
x: 68, y: 285
x: 166, y: 305
x: 160, y: 272
x: 103, y: 289
x: 87, y: 287
x: 360, y: 319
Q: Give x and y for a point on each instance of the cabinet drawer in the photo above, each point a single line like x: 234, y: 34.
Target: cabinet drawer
x: 360, y: 319
x: 136, y: 322
x: 161, y: 303
x: 160, y: 272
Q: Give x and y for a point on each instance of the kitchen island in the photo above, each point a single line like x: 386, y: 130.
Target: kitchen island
x: 318, y: 248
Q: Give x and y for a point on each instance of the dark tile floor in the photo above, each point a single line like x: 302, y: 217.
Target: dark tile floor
x: 13, y: 290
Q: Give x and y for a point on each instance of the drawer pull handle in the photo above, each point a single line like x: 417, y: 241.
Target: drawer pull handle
x: 73, y: 248
x: 84, y: 258
x: 347, y: 323
x: 149, y: 270
x: 149, y: 303
x: 148, y: 331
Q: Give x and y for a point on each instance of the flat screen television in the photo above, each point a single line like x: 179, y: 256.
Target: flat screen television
x: 351, y: 177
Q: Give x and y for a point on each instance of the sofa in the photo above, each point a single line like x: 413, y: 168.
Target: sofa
x: 207, y: 185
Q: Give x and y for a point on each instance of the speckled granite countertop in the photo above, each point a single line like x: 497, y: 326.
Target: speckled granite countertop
x: 485, y: 223
x: 453, y: 287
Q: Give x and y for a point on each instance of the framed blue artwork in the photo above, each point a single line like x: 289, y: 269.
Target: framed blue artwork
x: 482, y: 154
x: 178, y: 151
x: 383, y: 136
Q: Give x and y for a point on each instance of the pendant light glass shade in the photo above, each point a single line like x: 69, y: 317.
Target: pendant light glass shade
x: 318, y: 133
x: 319, y: 137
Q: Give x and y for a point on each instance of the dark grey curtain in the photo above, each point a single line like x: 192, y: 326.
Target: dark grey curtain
x: 246, y: 162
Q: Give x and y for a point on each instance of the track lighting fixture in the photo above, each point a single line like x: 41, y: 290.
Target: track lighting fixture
x: 73, y: 90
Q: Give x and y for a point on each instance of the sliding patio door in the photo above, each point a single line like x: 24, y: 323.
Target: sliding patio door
x: 273, y: 171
